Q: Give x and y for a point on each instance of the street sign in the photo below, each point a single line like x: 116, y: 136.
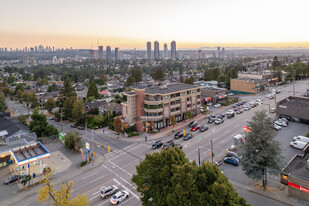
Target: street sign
x: 87, y: 146
x: 246, y: 129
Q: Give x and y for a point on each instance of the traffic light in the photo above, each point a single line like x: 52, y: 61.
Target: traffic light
x: 211, y: 154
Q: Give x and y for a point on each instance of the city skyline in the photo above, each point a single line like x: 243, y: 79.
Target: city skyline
x: 193, y: 24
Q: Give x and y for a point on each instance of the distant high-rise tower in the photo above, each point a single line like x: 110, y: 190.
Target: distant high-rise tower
x: 91, y: 53
x: 218, y: 53
x: 25, y: 61
x: 173, y: 50
x: 149, y: 50
x: 156, y: 50
x: 165, y: 51
x: 108, y: 53
x: 223, y: 52
x: 100, y: 52
x: 116, y: 54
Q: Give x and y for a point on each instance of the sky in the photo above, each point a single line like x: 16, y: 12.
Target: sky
x: 130, y: 24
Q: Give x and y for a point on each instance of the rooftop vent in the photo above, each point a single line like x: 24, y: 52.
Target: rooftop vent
x: 163, y: 87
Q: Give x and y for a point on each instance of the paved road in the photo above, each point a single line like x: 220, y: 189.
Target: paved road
x: 119, y: 165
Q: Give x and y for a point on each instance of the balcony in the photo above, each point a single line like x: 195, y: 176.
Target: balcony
x: 153, y: 110
x: 175, y: 113
x: 175, y: 106
x: 153, y: 102
x: 151, y: 118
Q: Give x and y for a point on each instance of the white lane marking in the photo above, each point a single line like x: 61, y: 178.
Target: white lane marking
x: 27, y: 204
x: 146, y: 146
x: 89, y: 176
x: 92, y: 181
x: 104, y: 202
x: 107, y: 168
x: 237, y: 125
x: 118, y: 183
x: 93, y: 197
x: 127, y: 200
x: 221, y: 142
x: 227, y: 131
x: 125, y: 151
x: 186, y: 144
x: 120, y: 168
x: 126, y: 182
x: 96, y: 193
x: 206, y: 152
x: 113, y: 152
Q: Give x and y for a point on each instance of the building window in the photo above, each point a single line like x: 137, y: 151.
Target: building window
x: 189, y: 98
x: 183, y: 93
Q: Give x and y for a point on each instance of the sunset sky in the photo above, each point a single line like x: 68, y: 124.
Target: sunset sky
x: 129, y: 24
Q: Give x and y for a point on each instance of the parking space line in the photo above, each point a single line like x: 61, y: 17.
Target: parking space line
x: 96, y: 193
x: 104, y: 202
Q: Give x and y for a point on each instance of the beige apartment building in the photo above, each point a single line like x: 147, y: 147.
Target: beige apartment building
x: 151, y: 108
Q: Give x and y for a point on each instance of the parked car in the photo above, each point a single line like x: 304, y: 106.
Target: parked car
x: 276, y: 127
x: 230, y: 112
x: 239, y: 111
x: 212, y: 116
x: 281, y: 123
x: 107, y: 191
x: 119, y: 197
x: 81, y: 128
x: 168, y: 144
x: 157, y: 144
x: 209, y: 104
x: 231, y: 160
x: 203, y: 128
x: 193, y: 123
x: 291, y: 119
x: 178, y: 135
x: 232, y: 154
x: 221, y: 116
x: 230, y: 94
x: 297, y: 144
x: 247, y: 108
x: 211, y: 120
x: 178, y: 145
x: 74, y: 125
x: 217, y: 105
x: 230, y: 116
x: 11, y: 179
x: 197, y: 127
x: 219, y: 121
x: 187, y: 137
x: 301, y: 138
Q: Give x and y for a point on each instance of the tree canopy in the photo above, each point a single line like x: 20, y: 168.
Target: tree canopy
x: 40, y: 126
x: 93, y: 90
x: 168, y: 178
x: 3, y: 106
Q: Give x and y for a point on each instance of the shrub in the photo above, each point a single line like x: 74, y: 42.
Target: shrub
x: 153, y: 132
x: 132, y: 134
x: 83, y: 163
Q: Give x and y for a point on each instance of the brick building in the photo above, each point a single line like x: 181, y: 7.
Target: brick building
x: 248, y: 86
x: 151, y: 108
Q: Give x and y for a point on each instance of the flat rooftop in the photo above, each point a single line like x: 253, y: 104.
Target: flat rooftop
x: 300, y: 102
x: 297, y: 167
x: 170, y: 88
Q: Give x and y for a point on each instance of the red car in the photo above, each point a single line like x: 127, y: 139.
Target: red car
x: 195, y: 128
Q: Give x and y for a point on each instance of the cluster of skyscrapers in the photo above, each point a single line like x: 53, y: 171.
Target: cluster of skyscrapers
x: 39, y: 48
x: 157, y: 54
x: 108, y: 53
x: 220, y: 53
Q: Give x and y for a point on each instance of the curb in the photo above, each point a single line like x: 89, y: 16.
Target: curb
x: 19, y: 197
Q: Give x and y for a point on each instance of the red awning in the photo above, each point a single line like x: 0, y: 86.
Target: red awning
x: 207, y: 99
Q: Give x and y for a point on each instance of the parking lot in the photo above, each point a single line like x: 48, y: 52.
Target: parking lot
x: 284, y: 136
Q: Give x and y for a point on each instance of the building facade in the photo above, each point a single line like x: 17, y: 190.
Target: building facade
x: 151, y: 108
x: 248, y: 86
x: 173, y: 50
x: 100, y: 52
x: 108, y: 53
x: 149, y: 50
x: 165, y: 51
x: 116, y: 54
x: 156, y: 54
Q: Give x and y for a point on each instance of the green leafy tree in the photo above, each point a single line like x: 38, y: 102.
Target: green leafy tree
x: 3, y: 106
x: 40, y: 126
x: 189, y: 80
x: 93, y: 90
x: 25, y: 179
x: 130, y: 80
x: 159, y: 74
x: 52, y: 88
x: 167, y: 178
x: 78, y: 110
x: 190, y: 114
x: 50, y: 104
x: 276, y: 62
x: 261, y: 153
x: 73, y: 140
x: 137, y: 74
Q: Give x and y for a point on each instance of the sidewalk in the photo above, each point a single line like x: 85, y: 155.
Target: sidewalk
x: 33, y: 190
x: 163, y: 132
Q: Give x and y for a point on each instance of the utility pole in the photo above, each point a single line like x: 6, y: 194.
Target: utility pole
x: 92, y: 146
x: 294, y: 86
x: 199, y: 157
x: 61, y: 117
x: 212, y: 153
x: 276, y: 103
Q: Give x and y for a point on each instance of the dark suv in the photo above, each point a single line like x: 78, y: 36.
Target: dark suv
x: 193, y: 123
x: 11, y: 179
x: 178, y: 135
x: 157, y: 144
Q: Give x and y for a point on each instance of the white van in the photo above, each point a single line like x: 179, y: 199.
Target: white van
x: 298, y: 144
x: 301, y: 138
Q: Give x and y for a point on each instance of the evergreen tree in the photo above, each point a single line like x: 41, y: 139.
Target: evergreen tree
x: 78, y: 110
x: 93, y: 90
x: 3, y: 106
x: 50, y: 104
x: 68, y: 107
x: 67, y: 91
x: 261, y: 153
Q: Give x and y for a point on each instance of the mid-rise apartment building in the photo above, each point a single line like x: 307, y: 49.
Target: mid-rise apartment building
x: 151, y: 108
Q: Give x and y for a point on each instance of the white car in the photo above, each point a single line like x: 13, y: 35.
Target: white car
x: 230, y: 94
x: 209, y: 104
x: 107, y: 191
x: 277, y: 127
x: 119, y: 197
x: 217, y: 105
x: 281, y: 123
x: 229, y: 112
